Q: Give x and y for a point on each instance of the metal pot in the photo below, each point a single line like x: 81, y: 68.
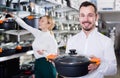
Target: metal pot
x: 32, y: 22
x: 72, y: 65
x: 8, y: 24
x: 7, y: 49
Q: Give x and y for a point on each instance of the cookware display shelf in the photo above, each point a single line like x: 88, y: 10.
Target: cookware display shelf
x: 18, y: 33
x: 5, y: 58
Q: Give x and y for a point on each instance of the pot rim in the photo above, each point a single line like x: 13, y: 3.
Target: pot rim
x: 56, y: 60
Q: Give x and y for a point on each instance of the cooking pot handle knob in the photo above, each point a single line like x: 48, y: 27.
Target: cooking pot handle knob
x: 51, y: 56
x: 72, y: 52
x: 95, y: 60
x: 1, y: 50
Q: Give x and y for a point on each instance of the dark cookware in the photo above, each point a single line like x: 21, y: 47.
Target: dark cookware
x: 32, y: 21
x: 7, y: 49
x: 7, y: 52
x: 8, y: 24
x: 72, y: 65
x: 25, y: 46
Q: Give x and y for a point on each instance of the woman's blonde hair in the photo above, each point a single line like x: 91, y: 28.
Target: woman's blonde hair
x: 50, y: 21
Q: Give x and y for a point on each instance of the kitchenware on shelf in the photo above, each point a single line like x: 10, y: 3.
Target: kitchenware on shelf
x: 7, y: 49
x: 26, y: 46
x: 7, y: 22
x: 32, y: 20
x: 23, y: 47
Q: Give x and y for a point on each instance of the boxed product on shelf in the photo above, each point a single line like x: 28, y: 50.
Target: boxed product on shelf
x: 117, y: 5
x: 106, y: 4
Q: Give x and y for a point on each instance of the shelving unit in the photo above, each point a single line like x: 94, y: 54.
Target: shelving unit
x: 66, y: 31
x: 5, y: 58
x: 17, y: 33
x: 10, y: 65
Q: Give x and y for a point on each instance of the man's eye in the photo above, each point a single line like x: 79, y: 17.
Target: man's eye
x: 90, y: 15
x: 82, y: 15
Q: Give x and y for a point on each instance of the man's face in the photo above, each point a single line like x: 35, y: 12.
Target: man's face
x: 87, y: 17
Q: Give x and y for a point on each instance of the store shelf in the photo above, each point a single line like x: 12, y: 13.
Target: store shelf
x: 63, y: 20
x: 64, y: 9
x: 45, y: 3
x: 5, y: 58
x: 17, y: 32
x: 65, y: 31
x: 109, y: 11
x: 112, y: 22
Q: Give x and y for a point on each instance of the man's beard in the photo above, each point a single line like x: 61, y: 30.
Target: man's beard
x: 87, y: 29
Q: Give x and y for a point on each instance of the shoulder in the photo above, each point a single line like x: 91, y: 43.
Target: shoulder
x: 104, y: 38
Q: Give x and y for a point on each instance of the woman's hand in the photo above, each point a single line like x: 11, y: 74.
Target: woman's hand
x: 51, y: 57
x: 94, y: 66
x: 11, y: 14
x: 41, y: 52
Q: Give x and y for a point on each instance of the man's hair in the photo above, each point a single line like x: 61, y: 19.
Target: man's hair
x: 86, y: 3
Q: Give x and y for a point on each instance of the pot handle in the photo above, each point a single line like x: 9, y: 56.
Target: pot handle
x: 1, y: 50
x: 95, y: 60
x: 51, y: 56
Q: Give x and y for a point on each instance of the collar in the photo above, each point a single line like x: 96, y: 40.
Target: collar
x: 90, y: 34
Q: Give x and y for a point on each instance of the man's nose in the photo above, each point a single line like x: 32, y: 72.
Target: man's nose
x: 85, y: 18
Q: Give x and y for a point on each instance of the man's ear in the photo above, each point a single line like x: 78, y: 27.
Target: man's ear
x: 97, y: 15
x: 97, y: 18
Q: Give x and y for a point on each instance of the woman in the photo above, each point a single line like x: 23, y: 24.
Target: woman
x: 43, y: 45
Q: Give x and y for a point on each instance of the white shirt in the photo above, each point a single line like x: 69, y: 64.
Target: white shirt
x: 98, y: 45
x: 43, y: 40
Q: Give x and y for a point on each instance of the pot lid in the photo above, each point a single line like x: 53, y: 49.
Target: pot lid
x: 72, y: 59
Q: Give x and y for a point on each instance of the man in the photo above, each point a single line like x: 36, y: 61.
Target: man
x: 91, y: 43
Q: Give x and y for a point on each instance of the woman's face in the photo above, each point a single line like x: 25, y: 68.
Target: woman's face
x: 87, y: 18
x: 43, y: 23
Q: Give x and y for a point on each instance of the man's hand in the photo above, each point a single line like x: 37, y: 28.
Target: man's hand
x: 92, y: 67
x: 95, y: 62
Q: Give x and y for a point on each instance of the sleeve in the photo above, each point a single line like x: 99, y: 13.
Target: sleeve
x: 25, y: 26
x: 108, y: 64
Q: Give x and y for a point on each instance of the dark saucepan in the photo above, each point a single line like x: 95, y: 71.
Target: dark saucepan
x: 72, y: 65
